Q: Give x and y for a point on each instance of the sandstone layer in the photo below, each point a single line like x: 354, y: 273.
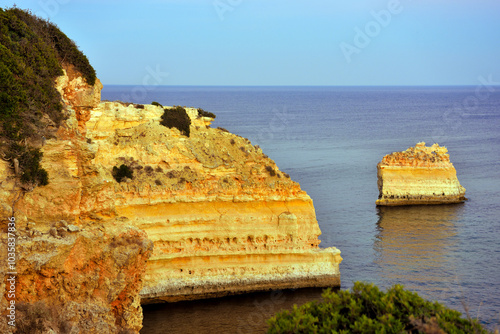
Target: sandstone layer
x: 74, y: 272
x: 419, y: 175
x: 221, y: 215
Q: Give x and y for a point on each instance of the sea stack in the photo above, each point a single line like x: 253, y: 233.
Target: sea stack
x: 419, y: 175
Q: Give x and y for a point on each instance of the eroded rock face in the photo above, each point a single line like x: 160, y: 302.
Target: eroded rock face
x: 419, y: 175
x: 222, y: 216
x: 78, y: 95
x: 91, y: 276
x: 76, y: 272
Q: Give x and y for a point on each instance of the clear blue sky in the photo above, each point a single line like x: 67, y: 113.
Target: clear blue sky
x: 282, y: 42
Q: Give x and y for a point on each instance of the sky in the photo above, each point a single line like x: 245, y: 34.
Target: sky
x: 282, y: 42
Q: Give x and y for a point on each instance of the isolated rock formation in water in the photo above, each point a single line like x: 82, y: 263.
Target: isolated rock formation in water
x: 419, y: 175
x: 221, y: 216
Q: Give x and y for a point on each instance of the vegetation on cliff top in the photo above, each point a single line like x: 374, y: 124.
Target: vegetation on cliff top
x: 32, y: 51
x: 176, y: 117
x: 204, y: 113
x: 368, y: 310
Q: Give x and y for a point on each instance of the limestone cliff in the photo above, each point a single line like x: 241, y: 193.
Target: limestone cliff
x: 75, y: 272
x: 222, y: 217
x: 419, y: 175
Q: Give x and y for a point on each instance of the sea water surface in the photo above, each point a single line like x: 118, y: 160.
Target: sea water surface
x: 330, y: 139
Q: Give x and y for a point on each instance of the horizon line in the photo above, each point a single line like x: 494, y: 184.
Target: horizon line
x: 437, y: 85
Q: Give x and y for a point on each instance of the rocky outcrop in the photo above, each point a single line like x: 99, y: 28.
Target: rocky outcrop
x: 78, y: 279
x: 223, y: 218
x: 419, y: 175
x: 75, y: 272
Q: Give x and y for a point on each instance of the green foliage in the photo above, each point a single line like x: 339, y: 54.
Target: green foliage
x: 368, y: 310
x: 156, y: 104
x: 203, y: 113
x: 176, y: 117
x: 29, y: 165
x: 122, y: 172
x: 31, y: 53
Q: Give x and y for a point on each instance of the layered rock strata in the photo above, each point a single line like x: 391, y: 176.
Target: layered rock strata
x: 419, y: 175
x: 222, y: 217
x: 75, y: 271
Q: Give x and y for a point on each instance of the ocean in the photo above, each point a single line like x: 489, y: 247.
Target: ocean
x: 330, y: 139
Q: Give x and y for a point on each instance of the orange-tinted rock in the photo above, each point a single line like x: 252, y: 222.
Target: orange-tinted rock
x: 79, y: 276
x: 419, y: 175
x: 222, y: 217
x: 91, y: 275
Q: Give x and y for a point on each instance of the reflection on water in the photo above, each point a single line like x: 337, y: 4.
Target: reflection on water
x: 235, y: 314
x: 416, y: 246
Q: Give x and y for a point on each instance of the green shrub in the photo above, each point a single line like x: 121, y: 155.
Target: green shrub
x: 32, y: 51
x: 368, y: 310
x: 156, y: 104
x: 31, y: 170
x: 203, y: 113
x: 176, y: 117
x: 122, y: 172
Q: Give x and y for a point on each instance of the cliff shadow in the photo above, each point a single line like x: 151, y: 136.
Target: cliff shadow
x: 416, y: 246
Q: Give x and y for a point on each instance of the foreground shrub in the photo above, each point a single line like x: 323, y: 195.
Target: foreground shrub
x: 176, y: 117
x: 368, y: 310
x: 123, y: 172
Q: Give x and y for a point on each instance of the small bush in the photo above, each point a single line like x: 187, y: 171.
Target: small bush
x: 176, y: 117
x: 148, y: 169
x: 158, y: 182
x: 222, y: 129
x: 156, y: 104
x: 31, y: 171
x: 122, y: 172
x: 271, y: 171
x: 232, y: 141
x: 203, y: 113
x: 368, y: 310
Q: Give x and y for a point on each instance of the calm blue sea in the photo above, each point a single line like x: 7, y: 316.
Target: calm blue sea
x: 330, y: 140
